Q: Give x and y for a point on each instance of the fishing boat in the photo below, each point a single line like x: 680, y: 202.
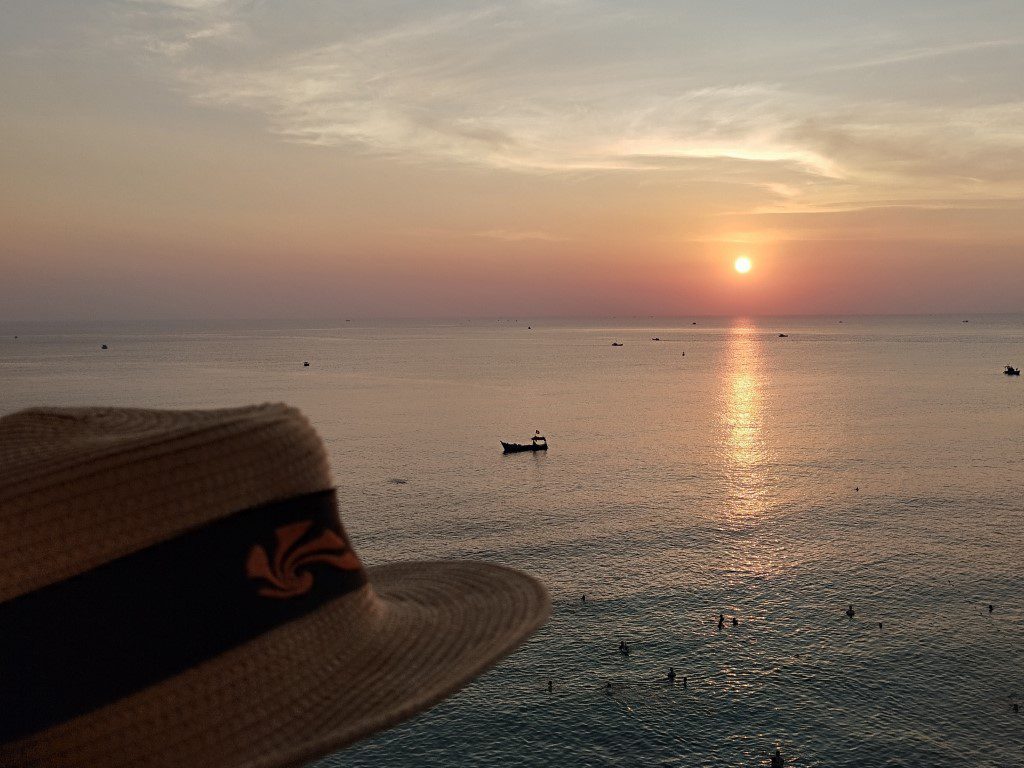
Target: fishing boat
x: 616, y: 344
x: 1011, y: 371
x: 517, y: 447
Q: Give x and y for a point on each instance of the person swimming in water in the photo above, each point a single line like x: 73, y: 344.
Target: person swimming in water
x: 671, y: 675
x: 721, y: 620
x: 850, y: 612
x: 735, y: 621
x: 778, y: 761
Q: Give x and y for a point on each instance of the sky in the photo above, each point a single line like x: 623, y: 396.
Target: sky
x: 253, y: 159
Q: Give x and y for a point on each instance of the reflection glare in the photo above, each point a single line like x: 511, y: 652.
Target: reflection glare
x: 746, y: 456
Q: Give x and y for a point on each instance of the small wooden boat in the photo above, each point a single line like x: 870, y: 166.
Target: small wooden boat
x: 616, y: 344
x: 1011, y: 371
x: 517, y: 447
x: 783, y: 335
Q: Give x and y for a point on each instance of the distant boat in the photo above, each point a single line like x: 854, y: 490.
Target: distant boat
x: 517, y: 447
x: 655, y: 338
x: 783, y: 335
x: 616, y: 344
x: 1011, y: 371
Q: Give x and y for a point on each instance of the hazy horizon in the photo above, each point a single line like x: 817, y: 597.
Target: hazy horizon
x: 312, y: 323
x: 222, y: 159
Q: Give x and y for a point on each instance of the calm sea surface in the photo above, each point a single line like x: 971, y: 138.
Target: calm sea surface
x: 678, y: 486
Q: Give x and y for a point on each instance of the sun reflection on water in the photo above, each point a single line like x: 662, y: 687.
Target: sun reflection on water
x: 746, y: 456
x: 744, y: 419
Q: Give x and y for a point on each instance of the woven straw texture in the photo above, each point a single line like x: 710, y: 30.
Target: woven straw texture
x: 113, y: 481
x: 79, y: 487
x: 360, y: 664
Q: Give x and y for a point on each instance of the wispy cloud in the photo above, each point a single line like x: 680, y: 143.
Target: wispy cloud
x: 348, y: 96
x: 172, y: 27
x: 926, y: 52
x: 490, y: 86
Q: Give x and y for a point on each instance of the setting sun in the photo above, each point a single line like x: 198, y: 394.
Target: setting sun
x: 743, y: 265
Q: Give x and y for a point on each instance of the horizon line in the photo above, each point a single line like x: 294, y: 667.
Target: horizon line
x: 490, y: 318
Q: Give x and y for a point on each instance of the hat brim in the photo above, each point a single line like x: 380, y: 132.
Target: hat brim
x: 356, y: 666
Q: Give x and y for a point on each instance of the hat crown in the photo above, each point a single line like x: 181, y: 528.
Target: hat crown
x: 82, y: 486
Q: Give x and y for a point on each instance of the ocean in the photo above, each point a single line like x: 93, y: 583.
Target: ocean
x: 872, y: 461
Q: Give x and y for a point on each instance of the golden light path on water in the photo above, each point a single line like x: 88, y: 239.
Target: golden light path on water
x: 747, y: 456
x: 743, y: 419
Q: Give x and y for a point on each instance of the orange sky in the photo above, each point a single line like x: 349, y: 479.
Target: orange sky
x: 215, y: 158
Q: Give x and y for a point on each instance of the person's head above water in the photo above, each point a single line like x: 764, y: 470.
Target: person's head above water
x: 182, y: 593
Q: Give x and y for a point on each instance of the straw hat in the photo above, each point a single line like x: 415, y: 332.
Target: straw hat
x: 177, y: 589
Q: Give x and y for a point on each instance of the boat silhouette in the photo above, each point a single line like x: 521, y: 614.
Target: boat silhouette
x: 517, y: 447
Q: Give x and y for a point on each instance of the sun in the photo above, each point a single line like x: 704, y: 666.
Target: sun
x: 743, y: 265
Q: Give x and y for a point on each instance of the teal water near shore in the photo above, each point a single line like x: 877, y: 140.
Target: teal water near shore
x: 723, y: 469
